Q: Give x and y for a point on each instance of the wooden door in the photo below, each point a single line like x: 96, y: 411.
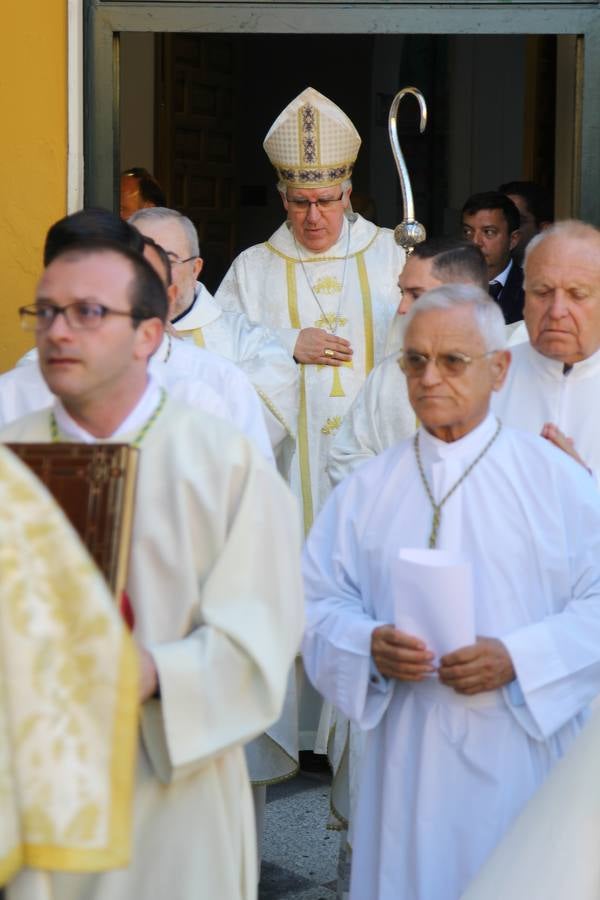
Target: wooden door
x: 195, y: 139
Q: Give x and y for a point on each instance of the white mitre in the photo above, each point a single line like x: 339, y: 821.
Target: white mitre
x: 312, y: 143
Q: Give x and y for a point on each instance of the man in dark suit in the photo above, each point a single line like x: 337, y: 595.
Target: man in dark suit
x: 536, y: 208
x: 491, y: 221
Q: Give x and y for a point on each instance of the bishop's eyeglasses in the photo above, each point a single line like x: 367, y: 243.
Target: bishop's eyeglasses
x: 303, y: 204
x: 80, y: 316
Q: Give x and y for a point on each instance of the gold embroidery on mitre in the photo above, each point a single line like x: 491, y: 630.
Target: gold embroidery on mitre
x: 308, y: 134
x: 312, y: 143
x: 328, y: 284
x: 331, y: 425
x: 331, y: 321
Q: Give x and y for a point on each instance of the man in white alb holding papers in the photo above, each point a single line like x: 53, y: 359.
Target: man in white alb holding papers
x: 455, y: 747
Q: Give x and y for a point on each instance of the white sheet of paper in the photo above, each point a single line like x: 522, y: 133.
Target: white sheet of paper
x: 433, y: 598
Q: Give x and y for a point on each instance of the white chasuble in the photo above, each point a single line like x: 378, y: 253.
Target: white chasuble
x: 215, y: 590
x: 350, y: 290
x: 259, y: 354
x: 551, y: 851
x: 444, y: 774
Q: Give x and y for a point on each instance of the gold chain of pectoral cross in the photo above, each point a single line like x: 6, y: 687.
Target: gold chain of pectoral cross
x: 326, y: 317
x: 437, y: 507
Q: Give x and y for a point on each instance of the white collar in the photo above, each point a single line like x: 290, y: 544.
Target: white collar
x: 503, y: 276
x: 340, y: 248
x: 362, y: 234
x: 202, y: 312
x: 555, y: 369
x: 469, y: 445
x: 140, y: 414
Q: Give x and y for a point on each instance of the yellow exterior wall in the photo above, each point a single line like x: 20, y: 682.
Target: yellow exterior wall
x: 33, y: 152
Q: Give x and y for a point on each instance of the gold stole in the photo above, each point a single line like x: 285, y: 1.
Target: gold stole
x: 337, y: 388
x: 197, y: 335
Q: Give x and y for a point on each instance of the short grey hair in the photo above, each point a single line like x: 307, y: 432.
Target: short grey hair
x: 162, y: 214
x: 568, y: 228
x: 486, y: 312
x: 346, y: 184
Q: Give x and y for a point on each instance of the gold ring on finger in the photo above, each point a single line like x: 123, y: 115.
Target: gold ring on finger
x: 327, y: 352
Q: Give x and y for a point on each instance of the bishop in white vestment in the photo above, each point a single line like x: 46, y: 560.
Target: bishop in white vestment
x: 326, y: 275
x: 455, y: 749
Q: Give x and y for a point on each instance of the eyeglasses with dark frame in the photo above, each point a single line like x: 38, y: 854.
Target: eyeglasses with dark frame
x: 80, y: 316
x: 303, y: 204
x: 175, y: 261
x: 452, y: 365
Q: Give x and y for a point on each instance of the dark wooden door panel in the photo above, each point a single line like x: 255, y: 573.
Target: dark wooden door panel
x: 196, y: 147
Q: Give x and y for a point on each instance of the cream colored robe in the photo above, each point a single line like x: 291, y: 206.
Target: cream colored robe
x: 551, y: 851
x: 215, y: 588
x: 259, y: 354
x: 268, y: 283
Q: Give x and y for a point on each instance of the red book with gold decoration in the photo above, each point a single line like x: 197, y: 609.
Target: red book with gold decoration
x: 94, y: 484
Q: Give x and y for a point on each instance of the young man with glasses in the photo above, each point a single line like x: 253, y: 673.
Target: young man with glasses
x: 195, y: 377
x: 210, y: 516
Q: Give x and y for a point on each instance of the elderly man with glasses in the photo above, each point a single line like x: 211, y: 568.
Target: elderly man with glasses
x: 199, y: 320
x: 453, y: 612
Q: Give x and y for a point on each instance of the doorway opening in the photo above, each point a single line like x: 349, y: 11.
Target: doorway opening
x: 194, y: 109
